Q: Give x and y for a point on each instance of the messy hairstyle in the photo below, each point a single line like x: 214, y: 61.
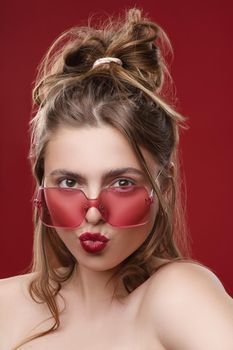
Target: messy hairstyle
x: 69, y: 92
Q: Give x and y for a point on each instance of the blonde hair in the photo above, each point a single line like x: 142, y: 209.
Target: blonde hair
x: 70, y: 92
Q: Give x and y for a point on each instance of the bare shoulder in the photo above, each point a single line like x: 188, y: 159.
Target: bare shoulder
x: 178, y: 273
x: 189, y: 306
x: 13, y: 295
x: 14, y: 286
x: 18, y: 312
x: 16, y: 279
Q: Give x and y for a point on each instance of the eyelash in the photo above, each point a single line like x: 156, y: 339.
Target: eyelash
x: 59, y: 181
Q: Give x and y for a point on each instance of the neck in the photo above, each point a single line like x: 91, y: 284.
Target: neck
x: 91, y: 289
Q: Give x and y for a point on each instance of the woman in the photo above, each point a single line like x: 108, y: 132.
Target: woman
x: 110, y: 269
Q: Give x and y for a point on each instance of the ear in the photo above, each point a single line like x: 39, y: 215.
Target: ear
x: 171, y: 168
x: 165, y: 185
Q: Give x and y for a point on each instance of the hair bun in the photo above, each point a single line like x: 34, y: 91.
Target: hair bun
x: 134, y: 16
x: 81, y: 57
x: 134, y: 40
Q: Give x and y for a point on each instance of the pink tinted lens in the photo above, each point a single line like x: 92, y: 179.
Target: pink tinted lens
x: 62, y: 208
x: 126, y: 206
x: 121, y: 207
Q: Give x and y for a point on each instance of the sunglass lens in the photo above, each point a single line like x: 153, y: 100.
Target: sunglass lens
x: 126, y: 207
x: 61, y: 207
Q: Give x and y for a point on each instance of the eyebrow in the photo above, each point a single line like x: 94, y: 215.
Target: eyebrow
x: 108, y: 174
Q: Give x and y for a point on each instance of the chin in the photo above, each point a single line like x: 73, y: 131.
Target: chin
x: 98, y: 263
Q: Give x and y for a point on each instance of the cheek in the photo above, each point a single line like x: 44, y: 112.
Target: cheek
x: 141, y: 233
x: 70, y: 240
x: 129, y: 240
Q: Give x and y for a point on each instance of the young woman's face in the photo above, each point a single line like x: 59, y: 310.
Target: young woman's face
x: 91, y: 152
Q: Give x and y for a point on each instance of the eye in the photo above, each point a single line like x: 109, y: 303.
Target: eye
x: 66, y: 183
x: 123, y: 182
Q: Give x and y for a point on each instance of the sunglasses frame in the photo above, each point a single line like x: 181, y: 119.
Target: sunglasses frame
x: 94, y: 202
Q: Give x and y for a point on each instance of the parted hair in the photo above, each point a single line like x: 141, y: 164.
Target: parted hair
x: 130, y: 97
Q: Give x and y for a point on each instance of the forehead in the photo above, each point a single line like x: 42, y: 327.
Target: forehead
x: 92, y: 150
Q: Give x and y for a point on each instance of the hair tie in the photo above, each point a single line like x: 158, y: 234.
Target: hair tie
x: 104, y: 60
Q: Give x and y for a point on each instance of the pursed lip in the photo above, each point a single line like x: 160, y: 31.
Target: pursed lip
x: 89, y: 236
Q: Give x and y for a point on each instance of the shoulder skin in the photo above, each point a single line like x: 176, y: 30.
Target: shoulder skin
x: 189, y: 308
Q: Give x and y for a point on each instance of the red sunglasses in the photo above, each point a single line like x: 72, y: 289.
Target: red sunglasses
x: 125, y: 206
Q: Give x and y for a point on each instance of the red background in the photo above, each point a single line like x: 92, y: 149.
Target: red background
x: 201, y: 33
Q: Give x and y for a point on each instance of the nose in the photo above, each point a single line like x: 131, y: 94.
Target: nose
x: 93, y: 214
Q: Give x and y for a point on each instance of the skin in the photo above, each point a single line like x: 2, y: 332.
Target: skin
x: 91, y: 152
x: 183, y: 306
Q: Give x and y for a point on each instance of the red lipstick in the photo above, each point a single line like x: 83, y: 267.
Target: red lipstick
x: 93, y: 242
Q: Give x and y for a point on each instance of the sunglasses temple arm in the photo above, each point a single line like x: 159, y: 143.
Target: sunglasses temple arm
x: 152, y: 191
x: 158, y: 174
